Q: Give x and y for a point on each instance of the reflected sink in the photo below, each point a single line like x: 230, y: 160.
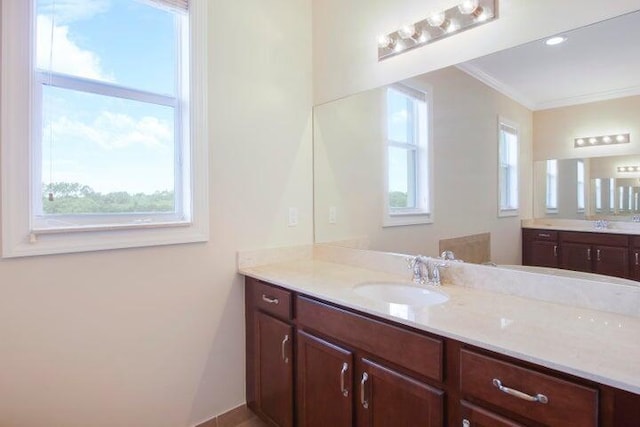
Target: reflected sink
x: 401, y: 293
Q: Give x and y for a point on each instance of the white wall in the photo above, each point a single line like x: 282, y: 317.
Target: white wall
x: 349, y: 155
x: 155, y: 337
x: 345, y: 35
x: 555, y: 129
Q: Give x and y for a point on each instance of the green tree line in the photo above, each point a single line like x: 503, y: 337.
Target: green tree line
x: 76, y: 198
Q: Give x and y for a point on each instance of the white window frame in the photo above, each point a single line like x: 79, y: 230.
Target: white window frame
x: 580, y: 186
x: 19, y: 236
x: 423, y: 213
x: 551, y: 208
x: 508, y: 126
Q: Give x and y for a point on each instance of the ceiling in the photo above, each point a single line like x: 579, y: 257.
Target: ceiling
x: 597, y: 62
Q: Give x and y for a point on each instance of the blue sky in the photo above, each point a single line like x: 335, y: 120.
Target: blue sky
x: 108, y: 143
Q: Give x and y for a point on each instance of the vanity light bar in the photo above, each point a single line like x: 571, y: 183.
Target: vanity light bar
x: 591, y: 141
x: 438, y: 25
x: 628, y: 168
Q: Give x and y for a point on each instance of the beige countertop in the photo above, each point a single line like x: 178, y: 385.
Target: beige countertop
x: 613, y: 227
x: 597, y: 345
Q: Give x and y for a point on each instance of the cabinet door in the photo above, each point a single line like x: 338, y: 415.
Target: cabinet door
x: 576, y: 256
x: 324, y: 383
x: 634, y: 267
x: 474, y: 416
x: 544, y: 254
x: 274, y: 369
x: 612, y: 261
x: 387, y: 398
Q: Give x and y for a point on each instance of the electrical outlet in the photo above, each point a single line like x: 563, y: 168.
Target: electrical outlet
x: 333, y: 215
x: 293, y: 217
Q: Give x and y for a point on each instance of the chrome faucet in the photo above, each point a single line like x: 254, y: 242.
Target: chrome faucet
x: 418, y: 265
x: 426, y: 270
x: 433, y: 268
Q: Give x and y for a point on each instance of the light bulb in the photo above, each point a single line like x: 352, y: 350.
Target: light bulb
x: 580, y: 141
x: 621, y: 138
x: 592, y: 140
x: 606, y: 139
x: 408, y: 31
x: 385, y: 42
x: 436, y: 19
x: 467, y: 7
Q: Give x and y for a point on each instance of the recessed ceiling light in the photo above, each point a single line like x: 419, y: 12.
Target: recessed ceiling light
x: 555, y: 40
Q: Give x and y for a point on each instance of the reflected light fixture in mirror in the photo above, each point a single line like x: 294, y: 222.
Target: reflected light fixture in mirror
x: 591, y: 141
x: 437, y: 25
x: 628, y: 168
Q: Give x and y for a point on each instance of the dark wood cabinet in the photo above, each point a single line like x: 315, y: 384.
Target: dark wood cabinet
x: 540, y: 248
x: 324, y: 383
x: 389, y: 398
x: 634, y: 261
x: 354, y: 369
x: 269, y: 347
x: 601, y: 253
x: 576, y: 257
x: 274, y: 369
x: 475, y: 416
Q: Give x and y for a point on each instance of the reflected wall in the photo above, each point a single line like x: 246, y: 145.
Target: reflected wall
x: 349, y: 175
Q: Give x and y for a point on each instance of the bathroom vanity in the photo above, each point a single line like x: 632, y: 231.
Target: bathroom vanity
x: 596, y: 251
x: 320, y: 355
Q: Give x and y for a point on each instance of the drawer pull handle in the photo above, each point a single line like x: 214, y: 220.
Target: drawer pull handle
x: 270, y: 300
x: 598, y: 255
x: 541, y: 398
x: 547, y: 235
x: 363, y: 399
x: 555, y: 251
x: 589, y: 254
x: 637, y: 260
x: 285, y: 359
x: 345, y: 368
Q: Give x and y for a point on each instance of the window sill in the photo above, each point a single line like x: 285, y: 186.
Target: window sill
x: 506, y: 213
x: 394, y: 219
x: 60, y: 242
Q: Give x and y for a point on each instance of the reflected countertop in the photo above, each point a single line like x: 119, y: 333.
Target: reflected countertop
x: 613, y: 227
x: 596, y: 345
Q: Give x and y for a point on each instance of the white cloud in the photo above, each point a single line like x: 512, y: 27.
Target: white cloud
x: 67, y: 11
x: 67, y: 57
x: 113, y: 131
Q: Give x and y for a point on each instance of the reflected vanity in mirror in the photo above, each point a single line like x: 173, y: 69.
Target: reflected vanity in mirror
x: 597, y: 188
x: 369, y: 190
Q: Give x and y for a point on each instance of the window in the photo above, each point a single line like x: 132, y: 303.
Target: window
x: 113, y: 158
x: 552, y: 186
x: 580, y: 185
x: 407, y: 193
x: 508, y: 149
x: 598, y: 191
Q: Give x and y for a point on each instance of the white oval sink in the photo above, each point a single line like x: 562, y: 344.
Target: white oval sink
x: 401, y: 293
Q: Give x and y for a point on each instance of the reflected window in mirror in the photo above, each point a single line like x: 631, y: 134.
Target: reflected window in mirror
x: 508, y: 159
x: 552, y: 186
x: 597, y: 185
x: 407, y: 192
x: 580, y: 186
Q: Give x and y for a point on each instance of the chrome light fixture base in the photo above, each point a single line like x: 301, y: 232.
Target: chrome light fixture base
x: 438, y: 25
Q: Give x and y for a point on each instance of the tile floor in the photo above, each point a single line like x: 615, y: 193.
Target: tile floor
x: 238, y: 417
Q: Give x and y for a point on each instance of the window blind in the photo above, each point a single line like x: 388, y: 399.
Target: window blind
x: 173, y: 4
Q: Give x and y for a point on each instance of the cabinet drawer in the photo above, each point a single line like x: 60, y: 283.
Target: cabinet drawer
x: 416, y: 352
x: 567, y: 403
x: 548, y: 235
x: 479, y: 417
x: 272, y: 300
x: 594, y: 238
